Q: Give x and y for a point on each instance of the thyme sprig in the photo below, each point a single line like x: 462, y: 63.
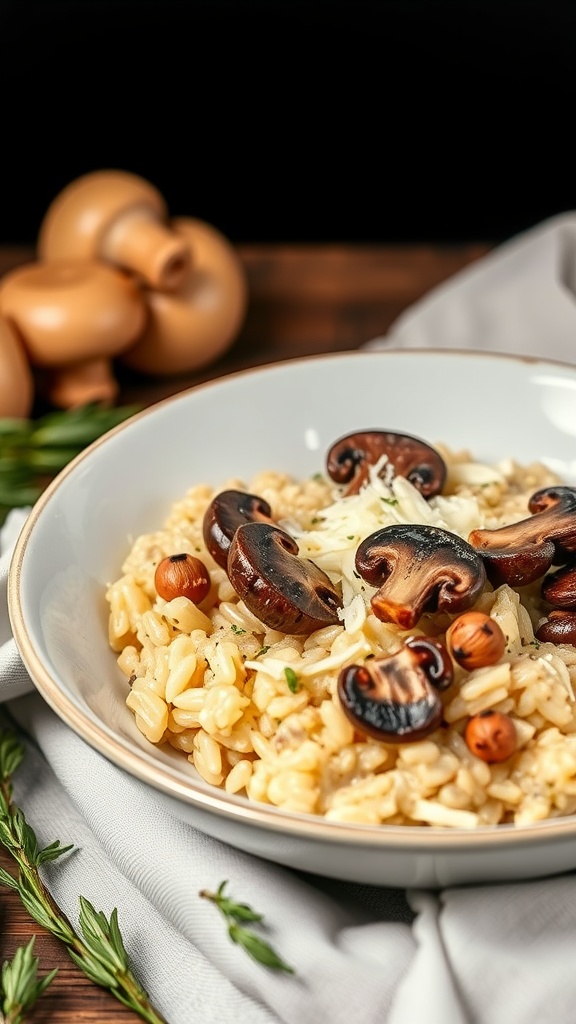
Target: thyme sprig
x: 20, y: 985
x: 236, y: 916
x: 98, y: 950
x: 32, y: 451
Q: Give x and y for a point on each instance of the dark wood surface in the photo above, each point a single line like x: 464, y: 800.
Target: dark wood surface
x: 303, y: 300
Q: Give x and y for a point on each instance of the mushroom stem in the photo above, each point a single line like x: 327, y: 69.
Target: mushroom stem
x: 520, y: 553
x: 82, y: 383
x: 139, y: 240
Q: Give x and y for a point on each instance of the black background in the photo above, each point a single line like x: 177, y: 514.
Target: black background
x: 275, y: 121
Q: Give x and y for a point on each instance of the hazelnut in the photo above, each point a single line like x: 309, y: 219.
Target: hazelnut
x: 491, y: 736
x: 475, y: 640
x: 182, y: 575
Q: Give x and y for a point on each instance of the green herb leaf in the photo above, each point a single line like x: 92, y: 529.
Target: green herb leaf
x: 33, y: 451
x: 257, y: 948
x: 291, y: 679
x: 20, y: 985
x: 252, y: 943
x: 98, y: 950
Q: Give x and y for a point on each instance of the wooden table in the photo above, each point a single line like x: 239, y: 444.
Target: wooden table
x: 304, y: 300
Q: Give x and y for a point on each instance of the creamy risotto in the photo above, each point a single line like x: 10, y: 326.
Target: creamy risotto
x: 261, y: 711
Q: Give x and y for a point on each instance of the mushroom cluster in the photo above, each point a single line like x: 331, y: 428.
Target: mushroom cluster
x: 414, y: 570
x: 525, y: 552
x: 281, y: 589
x: 114, y: 279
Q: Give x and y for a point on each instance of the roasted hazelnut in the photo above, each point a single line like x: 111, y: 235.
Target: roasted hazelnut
x: 182, y: 575
x: 491, y: 736
x: 475, y: 640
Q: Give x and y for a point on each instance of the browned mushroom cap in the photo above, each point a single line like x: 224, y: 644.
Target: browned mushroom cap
x: 350, y: 458
x: 419, y: 569
x: 395, y: 699
x: 559, y: 628
x: 522, y: 552
x: 559, y: 588
x: 226, y: 512
x: 282, y: 590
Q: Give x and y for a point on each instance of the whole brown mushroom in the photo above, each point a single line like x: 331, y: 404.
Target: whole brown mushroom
x: 119, y: 218
x: 16, y: 381
x: 72, y: 318
x: 192, y: 325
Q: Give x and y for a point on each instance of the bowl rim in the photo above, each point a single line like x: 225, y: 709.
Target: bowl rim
x: 217, y: 801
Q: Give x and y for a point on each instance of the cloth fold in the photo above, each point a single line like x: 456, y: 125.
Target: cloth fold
x: 491, y: 954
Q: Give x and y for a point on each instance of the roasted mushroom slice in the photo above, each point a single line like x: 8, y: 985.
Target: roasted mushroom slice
x: 395, y: 699
x: 559, y: 588
x: 225, y: 513
x: 281, y: 589
x: 349, y: 460
x: 558, y: 628
x: 523, y: 552
x: 419, y: 569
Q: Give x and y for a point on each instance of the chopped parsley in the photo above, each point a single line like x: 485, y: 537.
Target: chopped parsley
x: 291, y: 679
x: 389, y: 501
x: 263, y: 650
x: 237, y: 630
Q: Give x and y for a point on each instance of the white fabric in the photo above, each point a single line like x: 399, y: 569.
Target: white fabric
x: 362, y: 955
x: 520, y: 298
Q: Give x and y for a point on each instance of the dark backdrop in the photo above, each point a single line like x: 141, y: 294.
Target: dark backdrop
x: 314, y: 121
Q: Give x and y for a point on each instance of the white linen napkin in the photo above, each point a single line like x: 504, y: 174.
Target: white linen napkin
x: 519, y: 299
x: 493, y: 954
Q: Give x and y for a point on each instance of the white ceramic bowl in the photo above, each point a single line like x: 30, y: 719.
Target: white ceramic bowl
x: 283, y: 416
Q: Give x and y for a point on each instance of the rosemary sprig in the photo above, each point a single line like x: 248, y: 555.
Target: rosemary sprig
x: 20, y: 985
x: 236, y: 915
x: 99, y: 950
x: 34, y: 451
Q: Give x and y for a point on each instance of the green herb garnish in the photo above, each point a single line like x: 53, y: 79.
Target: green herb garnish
x: 97, y: 949
x: 20, y: 985
x: 236, y: 916
x: 291, y: 679
x: 34, y: 451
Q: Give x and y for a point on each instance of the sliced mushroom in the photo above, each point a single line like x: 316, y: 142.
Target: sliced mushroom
x: 349, y: 460
x: 559, y: 588
x: 419, y: 569
x: 281, y: 589
x: 395, y: 699
x: 522, y: 552
x: 558, y: 628
x: 226, y: 512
